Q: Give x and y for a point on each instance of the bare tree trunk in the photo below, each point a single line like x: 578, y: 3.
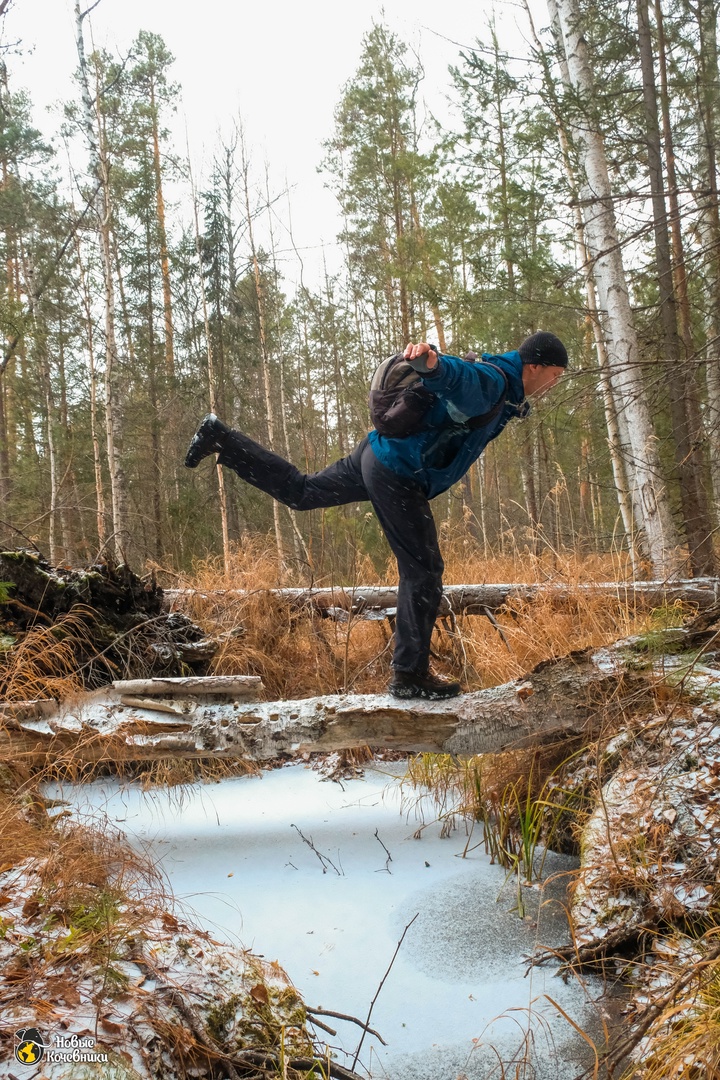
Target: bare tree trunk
x: 623, y: 353
x: 5, y: 484
x: 114, y: 392
x: 421, y: 243
x: 264, y: 351
x: 212, y: 392
x: 155, y: 439
x: 695, y: 415
x: 527, y: 473
x: 556, y: 700
x: 680, y: 381
x: 481, y: 499
x: 97, y: 460
x: 162, y: 233
x: 615, y: 419
x: 621, y: 464
x: 68, y: 478
x: 399, y: 239
x: 708, y: 94
x: 679, y: 272
x: 95, y: 136
x: 301, y: 551
x: 505, y: 202
x: 4, y: 447
x: 56, y: 554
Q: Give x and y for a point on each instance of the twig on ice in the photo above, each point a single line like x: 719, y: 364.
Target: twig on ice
x: 324, y: 861
x: 377, y: 992
x: 386, y: 868
x: 346, y: 1016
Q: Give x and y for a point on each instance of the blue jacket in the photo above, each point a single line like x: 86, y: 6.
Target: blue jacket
x: 444, y: 451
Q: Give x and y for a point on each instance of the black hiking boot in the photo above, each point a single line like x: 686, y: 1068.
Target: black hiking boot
x: 208, y: 439
x: 409, y: 684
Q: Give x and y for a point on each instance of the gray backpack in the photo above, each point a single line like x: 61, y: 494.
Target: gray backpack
x: 400, y: 400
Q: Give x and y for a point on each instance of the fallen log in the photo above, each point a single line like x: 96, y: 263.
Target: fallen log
x: 560, y: 698
x: 239, y: 687
x: 366, y: 601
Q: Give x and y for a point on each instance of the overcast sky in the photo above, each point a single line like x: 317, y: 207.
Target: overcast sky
x: 278, y: 64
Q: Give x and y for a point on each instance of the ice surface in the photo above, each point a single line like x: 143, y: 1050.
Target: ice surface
x: 231, y: 855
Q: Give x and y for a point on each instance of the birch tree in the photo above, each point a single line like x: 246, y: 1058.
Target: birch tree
x: 622, y: 345
x: 614, y: 439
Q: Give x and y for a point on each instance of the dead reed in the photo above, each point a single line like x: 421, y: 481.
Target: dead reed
x: 44, y: 663
x: 300, y: 654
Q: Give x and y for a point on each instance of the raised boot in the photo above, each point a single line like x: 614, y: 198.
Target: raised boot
x: 208, y: 439
x: 410, y: 684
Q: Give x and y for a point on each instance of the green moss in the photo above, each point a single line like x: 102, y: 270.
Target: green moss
x: 291, y: 1004
x: 660, y: 642
x: 115, y: 981
x: 221, y: 1016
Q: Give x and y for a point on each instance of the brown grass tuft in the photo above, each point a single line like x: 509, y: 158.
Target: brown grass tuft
x: 44, y: 664
x: 299, y: 654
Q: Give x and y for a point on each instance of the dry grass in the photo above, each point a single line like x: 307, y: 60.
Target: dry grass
x: 44, y: 663
x: 23, y: 819
x: 299, y: 654
x: 675, y: 1034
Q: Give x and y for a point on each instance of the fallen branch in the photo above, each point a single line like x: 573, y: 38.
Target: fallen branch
x: 366, y: 601
x: 377, y: 992
x: 388, y: 860
x: 345, y: 1016
x: 198, y: 1029
x: 267, y: 1060
x: 559, y: 699
x: 591, y: 952
x: 323, y: 858
x: 321, y: 1025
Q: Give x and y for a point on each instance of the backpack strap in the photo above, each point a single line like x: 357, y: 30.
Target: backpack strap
x: 487, y: 417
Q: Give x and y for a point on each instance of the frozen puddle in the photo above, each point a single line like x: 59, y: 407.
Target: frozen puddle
x: 232, y: 856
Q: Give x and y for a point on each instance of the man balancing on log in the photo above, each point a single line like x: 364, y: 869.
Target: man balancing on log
x: 434, y: 415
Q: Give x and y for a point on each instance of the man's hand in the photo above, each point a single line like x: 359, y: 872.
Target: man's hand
x: 422, y: 357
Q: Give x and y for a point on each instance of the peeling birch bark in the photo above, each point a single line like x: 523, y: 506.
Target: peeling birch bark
x: 560, y: 698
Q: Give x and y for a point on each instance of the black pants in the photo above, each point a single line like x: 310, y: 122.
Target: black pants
x: 402, y: 509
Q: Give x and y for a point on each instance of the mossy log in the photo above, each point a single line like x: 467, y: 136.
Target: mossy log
x: 112, y: 620
x: 115, y: 591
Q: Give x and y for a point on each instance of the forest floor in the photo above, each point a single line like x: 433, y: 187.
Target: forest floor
x: 87, y: 925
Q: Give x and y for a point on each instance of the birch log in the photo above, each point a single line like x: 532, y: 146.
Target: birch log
x: 560, y: 698
x: 362, y: 600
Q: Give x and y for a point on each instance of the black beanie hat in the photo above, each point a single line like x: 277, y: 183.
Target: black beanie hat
x: 544, y: 348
